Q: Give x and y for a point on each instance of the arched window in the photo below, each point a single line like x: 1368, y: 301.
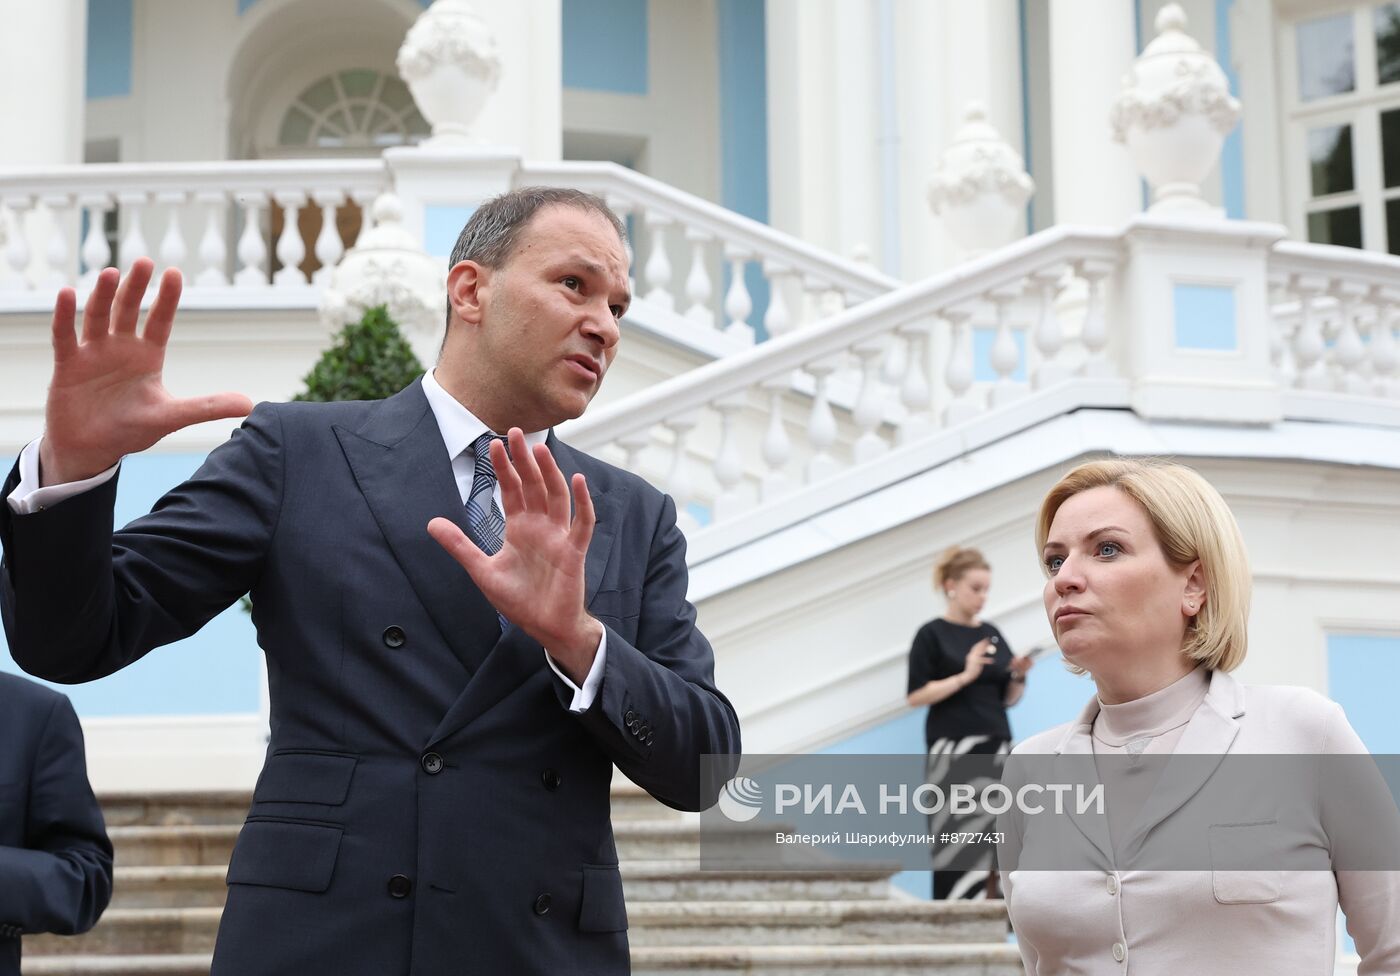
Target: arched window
x: 356, y: 109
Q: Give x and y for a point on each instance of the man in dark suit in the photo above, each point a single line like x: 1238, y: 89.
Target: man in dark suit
x: 435, y: 797
x: 55, y: 858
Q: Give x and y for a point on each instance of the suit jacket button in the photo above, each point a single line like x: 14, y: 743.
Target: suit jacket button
x: 651, y: 737
x: 394, y: 637
x: 542, y: 904
x: 630, y: 718
x: 432, y: 763
x: 551, y: 779
x: 400, y: 886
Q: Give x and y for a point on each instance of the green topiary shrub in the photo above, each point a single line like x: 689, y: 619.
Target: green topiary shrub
x: 370, y: 360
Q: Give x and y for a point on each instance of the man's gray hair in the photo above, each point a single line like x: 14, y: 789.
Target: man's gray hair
x: 492, y: 232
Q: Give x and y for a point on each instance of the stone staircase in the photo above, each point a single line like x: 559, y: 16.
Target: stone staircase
x: 172, y: 851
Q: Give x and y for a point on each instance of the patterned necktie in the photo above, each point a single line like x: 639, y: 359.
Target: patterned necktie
x: 484, y: 519
x: 485, y: 523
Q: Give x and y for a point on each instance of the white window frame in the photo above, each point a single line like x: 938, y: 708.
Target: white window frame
x: 1360, y: 108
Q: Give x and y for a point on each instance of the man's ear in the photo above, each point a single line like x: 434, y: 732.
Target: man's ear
x: 467, y: 285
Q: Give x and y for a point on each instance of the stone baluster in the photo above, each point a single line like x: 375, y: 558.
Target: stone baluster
x: 291, y: 249
x: 738, y: 305
x: 959, y: 372
x: 914, y: 390
x: 679, y: 482
x: 870, y: 402
x: 133, y: 242
x: 1385, y: 356
x: 624, y: 208
x: 213, y: 250
x: 729, y: 462
x: 1049, y: 334
x: 632, y: 446
x: 1308, y: 344
x: 329, y: 247
x: 252, y: 249
x: 698, y: 287
x: 777, y: 320
x: 96, y: 251
x: 17, y: 253
x: 1006, y: 355
x: 777, y: 446
x: 364, y: 197
x: 1280, y: 346
x: 1094, y: 332
x: 658, y: 269
x: 821, y: 424
x: 172, y: 242
x: 57, y: 256
x: 1349, y: 352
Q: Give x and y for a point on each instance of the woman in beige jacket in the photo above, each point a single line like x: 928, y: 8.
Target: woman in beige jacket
x: 1148, y: 591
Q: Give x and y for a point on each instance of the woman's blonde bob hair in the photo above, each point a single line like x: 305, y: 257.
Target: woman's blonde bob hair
x: 1191, y: 521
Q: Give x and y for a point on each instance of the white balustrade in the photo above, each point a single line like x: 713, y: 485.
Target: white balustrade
x: 729, y: 461
x: 915, y: 392
x: 1385, y: 351
x: 870, y: 402
x: 1094, y: 332
x: 1006, y: 355
x: 959, y: 372
x: 777, y: 320
x: 777, y: 446
x: 1049, y: 335
x: 680, y: 482
x: 821, y: 423
x: 179, y: 214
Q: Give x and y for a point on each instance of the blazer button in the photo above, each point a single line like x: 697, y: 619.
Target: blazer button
x: 630, y: 718
x: 400, y: 886
x: 651, y: 737
x: 394, y: 637
x: 542, y: 904
x: 432, y: 763
x: 1118, y: 952
x: 551, y: 779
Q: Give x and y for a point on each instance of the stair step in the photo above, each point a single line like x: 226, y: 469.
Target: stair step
x: 147, y: 809
x: 830, y: 922
x: 202, y: 886
x: 186, y: 965
x: 965, y: 960
x: 189, y: 844
x: 141, y: 931
x: 988, y: 959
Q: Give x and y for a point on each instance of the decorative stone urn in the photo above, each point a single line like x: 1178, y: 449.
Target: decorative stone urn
x: 981, y: 186
x: 388, y: 267
x: 1174, y: 114
x: 449, y: 62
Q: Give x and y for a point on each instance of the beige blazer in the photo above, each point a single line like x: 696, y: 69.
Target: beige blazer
x: 1209, y: 923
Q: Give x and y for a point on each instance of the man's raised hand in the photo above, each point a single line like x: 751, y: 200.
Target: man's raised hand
x: 107, y: 399
x: 537, y: 579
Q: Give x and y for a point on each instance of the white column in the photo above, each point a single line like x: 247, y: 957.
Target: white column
x: 525, y: 112
x: 43, y: 55
x: 1094, y: 179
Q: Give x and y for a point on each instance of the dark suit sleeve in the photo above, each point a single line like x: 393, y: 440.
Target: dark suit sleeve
x: 61, y: 879
x: 80, y: 602
x: 658, y: 710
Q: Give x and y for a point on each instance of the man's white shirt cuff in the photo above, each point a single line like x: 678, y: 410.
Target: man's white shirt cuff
x: 583, y: 697
x: 28, y: 497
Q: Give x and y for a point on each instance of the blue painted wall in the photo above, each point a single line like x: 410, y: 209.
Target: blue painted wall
x: 1232, y: 157
x: 1204, y: 317
x: 217, y: 671
x: 109, y: 41
x: 605, y: 45
x: 743, y: 126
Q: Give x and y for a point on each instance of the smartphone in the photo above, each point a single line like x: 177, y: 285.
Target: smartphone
x: 1040, y: 649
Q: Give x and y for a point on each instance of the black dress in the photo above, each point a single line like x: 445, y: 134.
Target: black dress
x: 970, y: 722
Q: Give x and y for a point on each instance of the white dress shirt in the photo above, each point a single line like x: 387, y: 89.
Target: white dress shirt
x: 459, y: 428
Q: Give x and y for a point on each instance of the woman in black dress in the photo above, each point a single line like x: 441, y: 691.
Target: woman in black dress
x: 962, y: 669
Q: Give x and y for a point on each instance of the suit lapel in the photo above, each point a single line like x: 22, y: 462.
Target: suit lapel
x: 403, y: 471
x: 1074, y: 764
x: 1208, y: 736
x: 518, y: 656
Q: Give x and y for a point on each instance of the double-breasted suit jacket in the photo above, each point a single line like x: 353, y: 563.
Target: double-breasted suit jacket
x: 429, y: 804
